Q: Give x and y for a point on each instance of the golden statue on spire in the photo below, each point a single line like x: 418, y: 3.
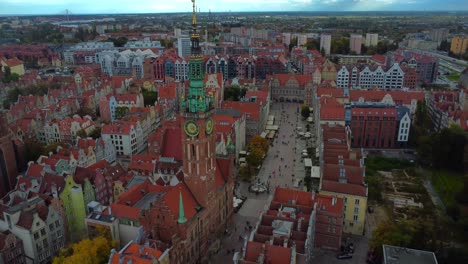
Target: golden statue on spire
x: 194, y: 16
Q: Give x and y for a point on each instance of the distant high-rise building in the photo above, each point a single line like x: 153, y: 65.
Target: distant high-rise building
x: 439, y: 34
x: 372, y: 39
x: 287, y: 38
x: 177, y: 32
x: 301, y: 40
x: 325, y: 43
x: 459, y: 44
x: 183, y: 46
x: 355, y: 43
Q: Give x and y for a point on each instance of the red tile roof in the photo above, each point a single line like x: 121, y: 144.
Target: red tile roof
x: 337, y: 187
x: 223, y: 168
x: 49, y: 181
x: 301, y: 79
x: 261, y: 96
x: 331, y: 92
x: 273, y: 254
x: 353, y: 175
x: 168, y: 91
x: 136, y: 254
x: 251, y: 109
x: 25, y: 220
x: 404, y: 97
x: 380, y: 59
x: 171, y: 198
x: 332, y: 113
x: 172, y: 143
x: 13, y: 62
x: 35, y: 170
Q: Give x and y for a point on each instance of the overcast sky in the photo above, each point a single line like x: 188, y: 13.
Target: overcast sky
x: 163, y: 6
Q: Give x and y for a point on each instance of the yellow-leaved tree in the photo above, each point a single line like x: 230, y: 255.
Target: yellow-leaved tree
x: 87, y: 251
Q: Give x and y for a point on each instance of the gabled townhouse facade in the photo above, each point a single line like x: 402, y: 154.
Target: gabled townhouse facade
x: 37, y: 225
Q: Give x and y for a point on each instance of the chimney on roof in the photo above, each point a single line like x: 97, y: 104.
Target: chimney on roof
x: 285, y: 243
x: 53, y: 189
x: 261, y: 257
x: 334, y: 199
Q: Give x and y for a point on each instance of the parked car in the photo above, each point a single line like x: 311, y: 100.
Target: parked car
x: 344, y: 256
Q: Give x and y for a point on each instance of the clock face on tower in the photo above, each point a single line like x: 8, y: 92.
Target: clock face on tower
x: 209, y: 126
x: 191, y: 128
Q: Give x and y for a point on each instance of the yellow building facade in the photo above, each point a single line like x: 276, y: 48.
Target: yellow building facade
x: 15, y: 65
x: 459, y: 44
x: 354, y: 213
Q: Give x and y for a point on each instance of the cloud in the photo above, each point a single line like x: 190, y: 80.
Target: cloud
x: 149, y: 6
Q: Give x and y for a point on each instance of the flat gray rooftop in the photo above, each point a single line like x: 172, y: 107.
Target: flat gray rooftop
x: 399, y: 255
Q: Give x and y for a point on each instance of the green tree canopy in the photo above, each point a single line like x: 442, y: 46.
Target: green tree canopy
x: 120, y: 112
x: 305, y: 111
x: 234, y: 93
x: 149, y: 97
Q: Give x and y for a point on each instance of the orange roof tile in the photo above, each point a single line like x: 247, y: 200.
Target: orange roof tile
x: 273, y: 254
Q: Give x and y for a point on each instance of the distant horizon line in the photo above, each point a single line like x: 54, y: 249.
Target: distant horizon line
x: 247, y: 12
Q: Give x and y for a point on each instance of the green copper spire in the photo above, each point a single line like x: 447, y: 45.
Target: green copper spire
x: 195, y: 99
x: 182, y: 218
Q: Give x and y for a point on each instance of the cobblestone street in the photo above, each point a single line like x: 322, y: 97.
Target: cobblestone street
x: 285, y: 146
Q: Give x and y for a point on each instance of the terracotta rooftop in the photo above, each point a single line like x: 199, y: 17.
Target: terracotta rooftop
x: 135, y: 254
x: 399, y: 97
x: 273, y: 254
x: 337, y: 187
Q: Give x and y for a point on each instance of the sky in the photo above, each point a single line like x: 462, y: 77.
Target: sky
x: 8, y: 7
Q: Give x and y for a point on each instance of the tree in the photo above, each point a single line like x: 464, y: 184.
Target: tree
x: 81, y: 133
x: 120, y: 112
x: 84, y: 111
x: 33, y: 150
x: 234, y: 93
x: 257, y: 142
x: 86, y: 251
x: 305, y: 111
x: 448, y: 149
x: 390, y: 233
x: 292, y: 44
x: 255, y: 157
x: 150, y: 97
x: 313, y: 44
x: 96, y: 133
x: 119, y: 42
x: 53, y: 148
x: 444, y: 46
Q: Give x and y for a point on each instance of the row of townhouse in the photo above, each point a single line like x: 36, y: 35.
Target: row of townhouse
x: 342, y: 175
x: 371, y: 76
x: 32, y: 228
x: 109, y: 104
x: 69, y: 193
x: 447, y: 108
x: 65, y: 130
x: 293, y: 87
x: 377, y: 118
x: 312, y: 62
x: 35, y: 53
x: 426, y: 66
x: 292, y: 226
x: 127, y: 136
x: 124, y: 63
x: 86, y: 52
x: 231, y: 66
